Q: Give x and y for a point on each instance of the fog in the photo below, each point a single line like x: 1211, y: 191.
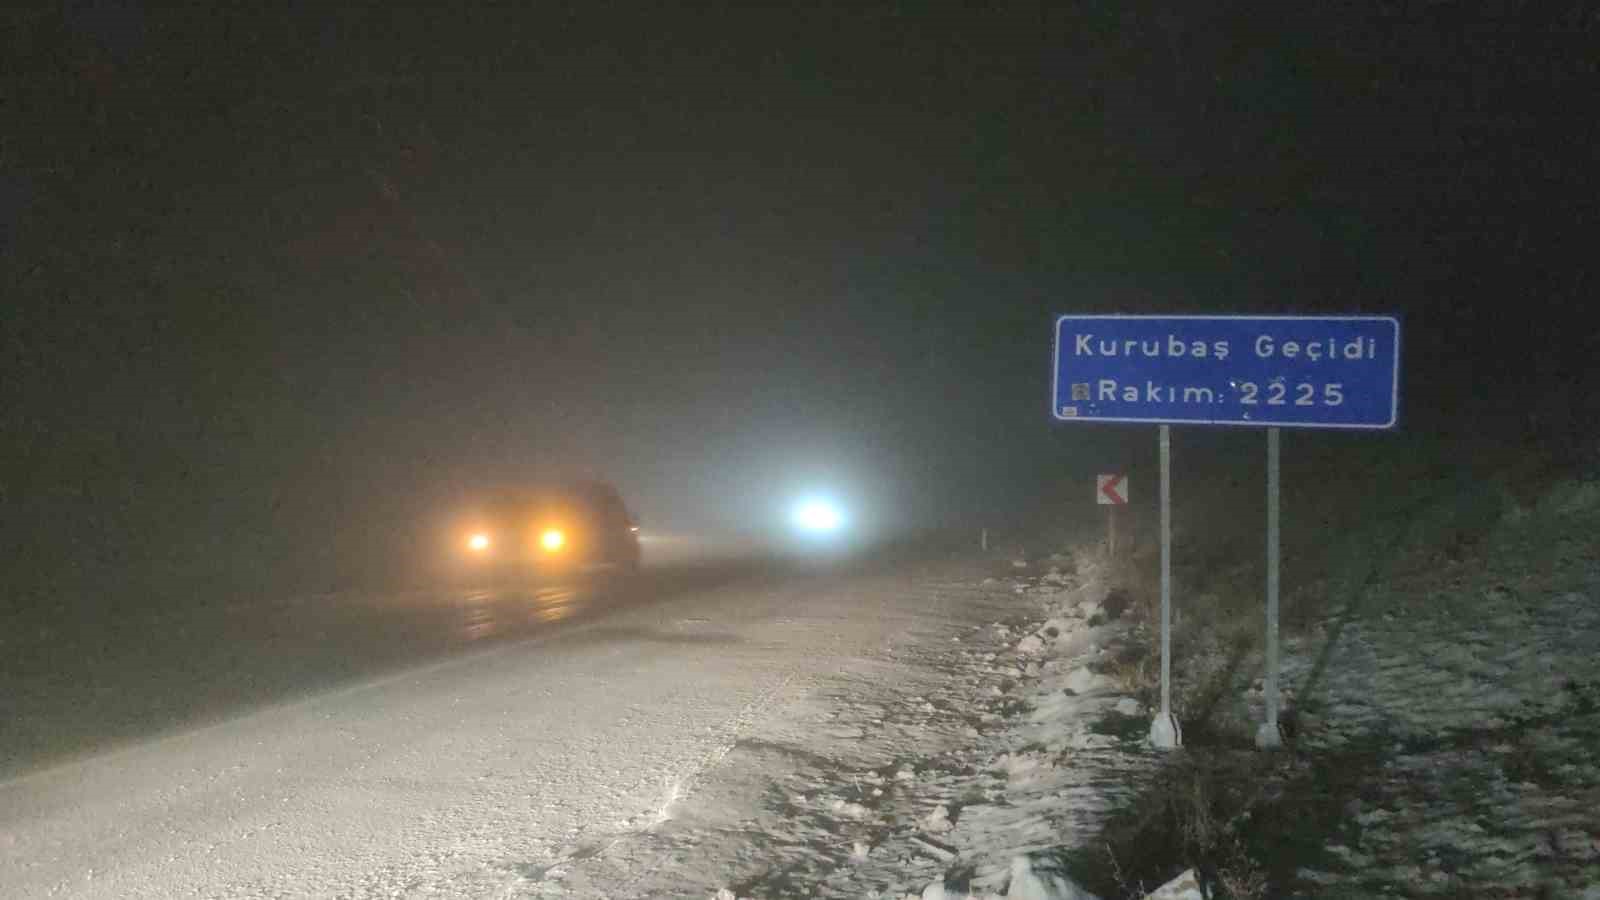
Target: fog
x: 283, y: 290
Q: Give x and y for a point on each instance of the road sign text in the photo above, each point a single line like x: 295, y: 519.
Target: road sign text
x: 1294, y: 371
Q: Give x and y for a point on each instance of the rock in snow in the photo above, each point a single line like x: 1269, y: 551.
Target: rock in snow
x: 942, y: 852
x: 938, y: 821
x: 1030, y: 645
x: 937, y: 891
x: 851, y: 810
x: 1034, y: 878
x: 1082, y: 681
x: 1184, y: 887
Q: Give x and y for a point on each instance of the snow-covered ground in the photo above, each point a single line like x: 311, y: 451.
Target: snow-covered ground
x: 1443, y: 715
x: 779, y: 738
x: 1477, y: 757
x: 940, y: 731
x: 925, y: 768
x: 1442, y: 722
x: 1459, y: 703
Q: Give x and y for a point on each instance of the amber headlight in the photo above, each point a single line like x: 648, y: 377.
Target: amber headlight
x: 552, y: 539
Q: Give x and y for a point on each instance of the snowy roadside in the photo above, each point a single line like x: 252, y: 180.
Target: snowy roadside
x: 1456, y: 707
x: 1441, y: 712
x: 927, y: 731
x: 920, y: 771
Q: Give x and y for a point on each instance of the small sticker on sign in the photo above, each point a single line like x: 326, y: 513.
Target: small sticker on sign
x: 1068, y: 412
x: 1080, y: 390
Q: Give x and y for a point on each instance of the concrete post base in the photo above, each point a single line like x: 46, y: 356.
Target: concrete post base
x: 1165, y: 733
x: 1269, y: 737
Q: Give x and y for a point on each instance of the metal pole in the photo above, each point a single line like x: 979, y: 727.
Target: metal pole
x: 1166, y: 571
x: 1111, y: 531
x: 1268, y: 736
x: 1164, y: 732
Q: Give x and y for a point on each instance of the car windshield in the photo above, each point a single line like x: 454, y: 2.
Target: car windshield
x: 590, y: 503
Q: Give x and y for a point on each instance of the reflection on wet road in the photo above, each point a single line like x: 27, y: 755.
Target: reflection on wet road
x: 85, y: 686
x: 491, y: 612
x: 512, y: 609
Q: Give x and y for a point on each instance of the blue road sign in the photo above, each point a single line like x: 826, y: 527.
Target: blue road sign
x: 1289, y: 371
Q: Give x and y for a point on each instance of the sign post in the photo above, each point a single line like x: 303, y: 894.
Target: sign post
x: 1164, y: 732
x: 1268, y: 737
x: 1111, y: 491
x: 1275, y: 372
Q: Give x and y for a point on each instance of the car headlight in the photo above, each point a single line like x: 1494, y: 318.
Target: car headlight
x: 479, y: 542
x: 817, y: 516
x: 552, y: 539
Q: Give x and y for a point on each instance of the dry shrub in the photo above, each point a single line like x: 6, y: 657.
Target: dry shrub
x: 1135, y: 672
x: 1191, y: 817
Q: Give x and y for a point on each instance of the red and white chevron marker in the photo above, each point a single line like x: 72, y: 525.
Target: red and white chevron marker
x: 1111, y: 490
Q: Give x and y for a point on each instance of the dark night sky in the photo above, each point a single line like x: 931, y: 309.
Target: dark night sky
x: 277, y: 283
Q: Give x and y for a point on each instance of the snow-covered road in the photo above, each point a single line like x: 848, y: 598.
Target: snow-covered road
x: 469, y: 776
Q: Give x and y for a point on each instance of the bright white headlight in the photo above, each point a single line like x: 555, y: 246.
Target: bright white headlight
x: 817, y: 516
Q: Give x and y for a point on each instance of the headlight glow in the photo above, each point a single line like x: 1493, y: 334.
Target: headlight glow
x: 817, y: 516
x: 552, y: 539
x: 478, y: 542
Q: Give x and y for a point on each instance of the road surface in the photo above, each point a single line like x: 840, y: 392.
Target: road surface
x: 469, y: 774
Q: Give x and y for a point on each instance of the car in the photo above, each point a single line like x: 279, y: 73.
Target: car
x: 572, y: 528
